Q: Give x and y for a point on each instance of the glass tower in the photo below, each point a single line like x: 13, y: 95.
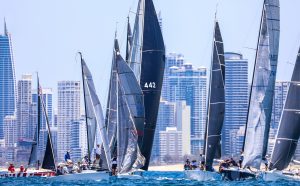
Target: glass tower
x: 188, y: 83
x: 236, y: 103
x: 7, y: 79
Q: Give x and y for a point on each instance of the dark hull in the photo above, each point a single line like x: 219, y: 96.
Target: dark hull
x: 236, y: 175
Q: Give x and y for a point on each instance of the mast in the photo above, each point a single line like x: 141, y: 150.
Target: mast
x: 258, y: 39
x: 288, y: 131
x: 216, y: 102
x: 33, y: 158
x: 262, y: 88
x: 48, y: 161
x: 85, y: 106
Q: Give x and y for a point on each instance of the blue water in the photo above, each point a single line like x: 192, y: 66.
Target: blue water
x: 150, y: 178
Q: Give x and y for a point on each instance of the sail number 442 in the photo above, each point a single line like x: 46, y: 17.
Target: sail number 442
x: 150, y: 85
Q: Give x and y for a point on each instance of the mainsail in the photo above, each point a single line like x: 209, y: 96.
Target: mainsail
x: 130, y: 117
x: 147, y: 61
x: 288, y: 133
x: 216, y: 101
x: 48, y: 161
x: 94, y: 114
x: 262, y: 88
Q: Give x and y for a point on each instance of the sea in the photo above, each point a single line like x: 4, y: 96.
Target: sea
x: 149, y: 178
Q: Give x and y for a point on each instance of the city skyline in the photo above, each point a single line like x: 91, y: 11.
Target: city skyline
x: 36, y: 38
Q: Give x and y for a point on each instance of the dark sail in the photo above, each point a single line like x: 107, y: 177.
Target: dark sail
x: 34, y: 148
x: 216, y: 102
x: 148, y: 66
x: 48, y: 161
x: 288, y: 133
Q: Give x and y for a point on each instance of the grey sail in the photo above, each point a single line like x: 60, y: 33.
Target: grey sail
x: 131, y: 115
x: 262, y: 88
x: 147, y: 61
x: 94, y: 114
x: 129, y: 42
x: 216, y: 102
x: 111, y: 111
x: 288, y: 133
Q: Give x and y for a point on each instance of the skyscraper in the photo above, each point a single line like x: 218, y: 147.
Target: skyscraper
x: 7, y: 79
x: 10, y: 131
x: 25, y: 127
x: 78, y: 140
x: 188, y: 83
x: 68, y: 110
x: 236, y: 103
x: 166, y: 118
x: 171, y: 145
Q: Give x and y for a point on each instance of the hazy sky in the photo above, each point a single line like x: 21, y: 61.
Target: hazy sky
x: 47, y: 34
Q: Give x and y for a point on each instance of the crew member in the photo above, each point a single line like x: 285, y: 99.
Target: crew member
x: 67, y: 157
x: 22, y: 168
x: 11, y: 168
x: 114, y: 165
x: 241, y: 159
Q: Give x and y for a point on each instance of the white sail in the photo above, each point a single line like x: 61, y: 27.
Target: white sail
x: 94, y: 113
x: 262, y: 89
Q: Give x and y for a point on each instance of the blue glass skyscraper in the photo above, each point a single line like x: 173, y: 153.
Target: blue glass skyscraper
x: 236, y: 103
x: 7, y: 79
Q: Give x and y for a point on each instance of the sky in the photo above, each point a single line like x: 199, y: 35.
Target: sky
x: 47, y: 34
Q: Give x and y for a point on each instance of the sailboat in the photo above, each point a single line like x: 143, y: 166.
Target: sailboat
x: 48, y: 164
x: 147, y: 61
x: 94, y: 124
x: 261, y: 93
x: 215, y: 113
x: 288, y: 132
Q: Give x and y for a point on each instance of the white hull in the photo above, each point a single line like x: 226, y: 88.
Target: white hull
x: 278, y: 175
x: 200, y: 175
x: 131, y: 175
x: 85, y: 175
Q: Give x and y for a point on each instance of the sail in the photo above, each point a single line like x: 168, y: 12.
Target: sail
x: 33, y: 158
x: 131, y: 117
x: 148, y: 62
x: 111, y: 111
x: 135, y: 57
x: 48, y: 161
x: 94, y: 114
x: 288, y: 133
x: 129, y: 41
x: 216, y: 102
x: 262, y: 89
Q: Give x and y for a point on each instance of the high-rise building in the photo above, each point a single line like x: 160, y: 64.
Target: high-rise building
x: 7, y: 79
x: 236, y: 103
x: 78, y: 140
x: 183, y: 124
x: 25, y: 127
x: 54, y: 140
x: 166, y: 118
x: 68, y: 110
x: 170, y: 145
x: 10, y: 131
x: 172, y: 60
x: 188, y: 83
x: 280, y: 93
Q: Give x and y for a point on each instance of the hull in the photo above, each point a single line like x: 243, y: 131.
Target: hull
x: 279, y: 175
x: 85, y: 176
x: 6, y: 174
x: 234, y: 174
x: 131, y: 175
x: 200, y: 175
